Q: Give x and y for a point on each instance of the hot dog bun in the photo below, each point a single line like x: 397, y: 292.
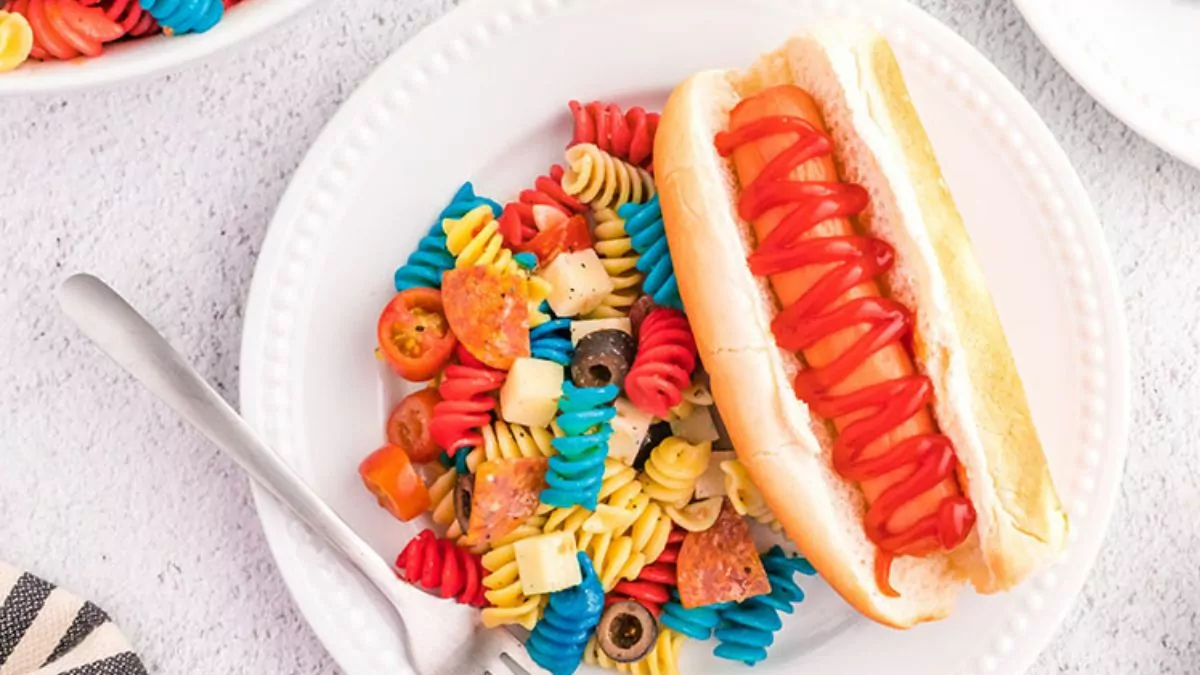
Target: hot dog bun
x: 958, y: 340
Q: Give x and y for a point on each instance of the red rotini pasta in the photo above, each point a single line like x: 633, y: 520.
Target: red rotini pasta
x: 626, y: 135
x: 439, y: 565
x: 466, y: 404
x: 136, y: 21
x: 66, y: 29
x: 653, y: 586
x: 665, y: 359
x: 517, y: 223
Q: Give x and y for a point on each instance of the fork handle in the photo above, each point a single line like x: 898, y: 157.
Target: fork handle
x: 136, y: 346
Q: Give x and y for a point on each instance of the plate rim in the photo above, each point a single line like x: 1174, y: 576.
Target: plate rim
x: 242, y: 26
x: 1129, y: 104
x: 409, y: 61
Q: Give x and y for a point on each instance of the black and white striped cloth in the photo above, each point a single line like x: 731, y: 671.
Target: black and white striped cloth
x: 45, y: 630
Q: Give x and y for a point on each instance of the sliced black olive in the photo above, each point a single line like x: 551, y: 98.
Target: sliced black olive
x: 626, y: 631
x: 639, y: 311
x: 602, y: 358
x: 659, y: 432
x: 464, y: 492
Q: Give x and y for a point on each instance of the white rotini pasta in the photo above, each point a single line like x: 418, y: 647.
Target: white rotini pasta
x: 603, y: 181
x: 620, y: 261
x: 663, y: 659
x: 510, y: 605
x: 672, y: 470
x: 475, y: 239
x: 745, y: 496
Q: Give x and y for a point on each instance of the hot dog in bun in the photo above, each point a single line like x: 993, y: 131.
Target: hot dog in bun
x: 853, y: 347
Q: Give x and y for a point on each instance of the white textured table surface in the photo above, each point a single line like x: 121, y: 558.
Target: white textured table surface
x: 165, y: 189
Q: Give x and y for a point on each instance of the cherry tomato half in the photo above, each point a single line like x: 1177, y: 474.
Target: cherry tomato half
x: 408, y: 425
x: 414, y: 335
x: 389, y: 475
x: 569, y: 234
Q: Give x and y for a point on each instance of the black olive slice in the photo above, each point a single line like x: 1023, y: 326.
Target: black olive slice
x: 626, y: 631
x: 639, y: 311
x: 464, y: 492
x: 602, y: 358
x: 659, y: 432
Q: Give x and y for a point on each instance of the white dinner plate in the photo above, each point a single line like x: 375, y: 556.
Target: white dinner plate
x: 481, y: 95
x: 149, y: 56
x: 1141, y: 60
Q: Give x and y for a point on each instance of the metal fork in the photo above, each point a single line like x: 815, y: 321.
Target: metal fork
x: 441, y: 638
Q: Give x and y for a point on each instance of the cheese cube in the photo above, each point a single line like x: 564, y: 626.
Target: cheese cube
x: 530, y: 393
x: 581, y: 329
x: 697, y: 427
x: 579, y: 282
x: 712, y: 482
x: 546, y: 563
x: 630, y: 427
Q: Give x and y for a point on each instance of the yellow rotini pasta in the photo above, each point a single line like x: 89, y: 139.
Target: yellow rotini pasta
x: 510, y: 605
x: 696, y: 395
x: 475, y: 239
x: 441, y: 496
x: 744, y: 495
x: 620, y: 261
x: 16, y: 40
x: 663, y: 658
x: 603, y: 181
x: 442, y: 507
x: 673, y: 468
x: 627, y: 530
x: 697, y: 516
x: 615, y: 558
x: 502, y: 440
x: 649, y: 527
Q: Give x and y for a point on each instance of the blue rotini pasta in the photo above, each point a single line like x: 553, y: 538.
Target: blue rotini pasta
x: 644, y: 223
x: 749, y: 627
x: 576, y: 473
x: 425, y: 265
x: 697, y: 623
x: 185, y: 16
x: 552, y: 341
x: 557, y: 642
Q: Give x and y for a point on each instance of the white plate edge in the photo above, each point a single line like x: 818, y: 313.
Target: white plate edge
x: 1123, y: 103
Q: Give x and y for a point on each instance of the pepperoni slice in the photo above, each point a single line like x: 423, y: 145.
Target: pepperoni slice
x: 720, y: 564
x: 506, y: 495
x: 489, y: 313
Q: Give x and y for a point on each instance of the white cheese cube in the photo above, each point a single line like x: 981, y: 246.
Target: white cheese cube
x: 697, y: 427
x: 546, y: 563
x: 579, y: 282
x: 580, y: 329
x: 530, y: 393
x: 630, y: 427
x: 712, y: 482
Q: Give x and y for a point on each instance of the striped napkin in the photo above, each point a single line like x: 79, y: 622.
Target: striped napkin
x: 45, y: 630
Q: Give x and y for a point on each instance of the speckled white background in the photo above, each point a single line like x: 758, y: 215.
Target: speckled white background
x: 165, y: 188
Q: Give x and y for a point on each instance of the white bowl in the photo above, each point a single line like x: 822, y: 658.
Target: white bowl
x: 151, y: 55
